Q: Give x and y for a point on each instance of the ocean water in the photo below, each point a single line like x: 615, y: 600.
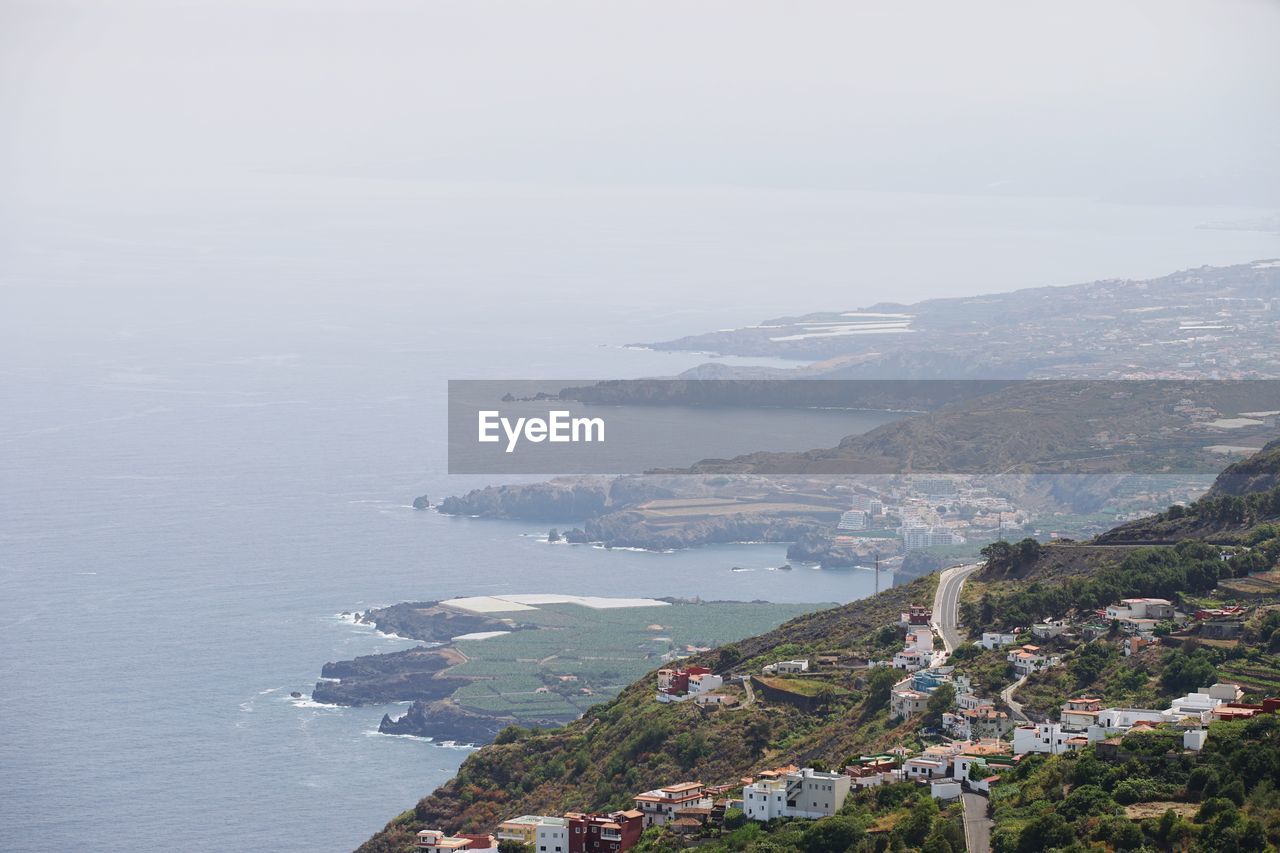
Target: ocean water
x: 213, y: 417
x: 179, y: 538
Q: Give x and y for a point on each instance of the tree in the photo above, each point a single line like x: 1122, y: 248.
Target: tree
x: 734, y: 818
x: 1086, y: 801
x: 1045, y: 832
x: 1185, y: 671
x: 940, y: 701
x: 916, y: 828
x: 511, y: 846
x: 831, y: 835
x: 728, y: 657
x: 880, y: 687
x: 757, y: 735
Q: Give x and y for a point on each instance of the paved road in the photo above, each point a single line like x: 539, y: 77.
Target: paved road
x: 1014, y: 707
x: 977, y: 826
x: 946, y: 604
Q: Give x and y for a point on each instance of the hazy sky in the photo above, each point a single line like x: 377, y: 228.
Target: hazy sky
x: 1166, y: 100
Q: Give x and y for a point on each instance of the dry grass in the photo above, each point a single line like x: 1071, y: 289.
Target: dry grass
x: 1266, y: 583
x: 1142, y: 811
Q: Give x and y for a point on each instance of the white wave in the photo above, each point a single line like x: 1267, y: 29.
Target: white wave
x: 376, y: 733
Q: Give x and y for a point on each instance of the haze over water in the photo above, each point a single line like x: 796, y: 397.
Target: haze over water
x: 216, y: 405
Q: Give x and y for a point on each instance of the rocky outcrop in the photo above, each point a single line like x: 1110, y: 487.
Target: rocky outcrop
x: 816, y: 547
x: 431, y: 623
x: 1258, y: 473
x: 630, y: 529
x: 553, y: 501
x: 422, y: 502
x: 395, y: 677
x: 444, y: 720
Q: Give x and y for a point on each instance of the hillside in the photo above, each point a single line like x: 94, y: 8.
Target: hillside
x: 1101, y: 329
x: 1245, y: 495
x: 1258, y: 473
x: 635, y: 743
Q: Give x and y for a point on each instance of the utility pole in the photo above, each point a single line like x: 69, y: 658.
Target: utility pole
x: 877, y: 572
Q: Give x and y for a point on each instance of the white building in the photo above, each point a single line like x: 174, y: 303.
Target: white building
x: 905, y: 702
x: 1200, y: 705
x: 1048, y: 630
x: 435, y: 841
x: 1123, y: 719
x: 765, y: 800
x: 786, y: 666
x: 704, y: 683
x: 661, y: 804
x: 854, y: 519
x: 912, y: 660
x: 995, y: 639
x: 923, y: 768
x: 867, y: 504
x: 552, y: 835
x: 1049, y: 738
x: 806, y: 793
x: 918, y: 536
x: 1029, y: 659
x: 945, y: 789
x: 1141, y: 608
x: 1078, y: 714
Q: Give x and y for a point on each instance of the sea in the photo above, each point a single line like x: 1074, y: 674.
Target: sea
x: 217, y: 403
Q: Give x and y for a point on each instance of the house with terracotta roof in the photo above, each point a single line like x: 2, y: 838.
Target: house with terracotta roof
x: 659, y: 806
x: 1080, y: 713
x: 1028, y: 659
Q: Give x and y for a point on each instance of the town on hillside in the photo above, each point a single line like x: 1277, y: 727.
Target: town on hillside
x: 973, y: 743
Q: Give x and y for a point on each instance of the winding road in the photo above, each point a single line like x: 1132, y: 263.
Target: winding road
x: 946, y: 604
x: 1015, y: 708
x: 946, y: 621
x: 977, y: 826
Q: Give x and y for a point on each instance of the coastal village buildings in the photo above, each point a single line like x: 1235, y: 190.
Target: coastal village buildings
x: 982, y: 721
x: 1048, y: 630
x: 676, y: 684
x: 1048, y: 738
x: 853, y: 520
x: 870, y: 771
x: 786, y: 667
x: 916, y: 617
x: 604, y: 833
x: 552, y: 836
x: 435, y: 841
x: 1083, y: 721
x: 543, y: 833
x: 662, y: 805
x: 1028, y: 659
x: 996, y: 640
x: 804, y: 793
x: 1141, y: 608
x: 905, y: 701
x: 1080, y: 713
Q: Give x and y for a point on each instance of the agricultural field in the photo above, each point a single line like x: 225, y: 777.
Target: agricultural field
x: 580, y: 656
